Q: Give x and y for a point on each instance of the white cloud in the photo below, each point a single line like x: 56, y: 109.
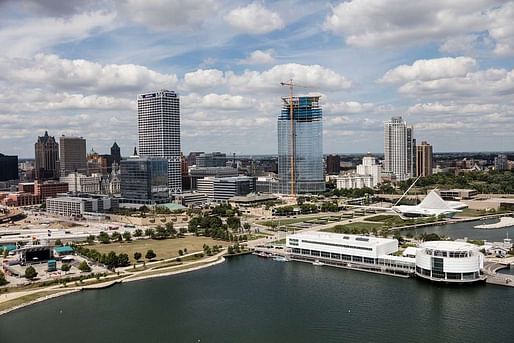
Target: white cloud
x: 254, y: 19
x: 59, y: 73
x: 374, y: 23
x: 27, y: 37
x: 203, y: 78
x: 350, y: 107
x: 502, y: 28
x: 424, y: 70
x: 168, y: 14
x: 481, y: 84
x: 314, y: 77
x: 259, y: 57
x: 218, y: 101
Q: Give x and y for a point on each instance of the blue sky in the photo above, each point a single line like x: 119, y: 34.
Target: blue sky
x: 76, y: 67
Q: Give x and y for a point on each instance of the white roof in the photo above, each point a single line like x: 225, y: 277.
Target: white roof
x: 434, y: 202
x: 340, y: 237
x: 432, y: 205
x: 449, y: 246
x: 410, y: 251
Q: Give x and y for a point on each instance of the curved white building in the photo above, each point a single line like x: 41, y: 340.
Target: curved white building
x: 448, y: 261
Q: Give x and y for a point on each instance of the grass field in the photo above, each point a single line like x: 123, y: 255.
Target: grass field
x: 164, y: 249
x: 25, y: 299
x: 354, y: 228
x: 290, y: 221
x: 381, y: 218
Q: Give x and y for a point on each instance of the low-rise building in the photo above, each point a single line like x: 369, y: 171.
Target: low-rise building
x: 352, y: 181
x: 79, y: 206
x: 457, y: 193
x: 222, y: 189
x: 450, y: 262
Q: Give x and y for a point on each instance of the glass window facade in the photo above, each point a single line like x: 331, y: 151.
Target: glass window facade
x: 300, y: 146
x: 144, y: 180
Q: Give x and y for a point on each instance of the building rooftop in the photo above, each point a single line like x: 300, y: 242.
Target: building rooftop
x: 339, y: 237
x: 449, y: 245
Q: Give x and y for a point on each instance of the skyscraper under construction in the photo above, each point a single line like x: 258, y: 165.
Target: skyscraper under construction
x: 300, y: 146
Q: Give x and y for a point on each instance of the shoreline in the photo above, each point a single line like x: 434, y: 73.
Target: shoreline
x: 129, y: 278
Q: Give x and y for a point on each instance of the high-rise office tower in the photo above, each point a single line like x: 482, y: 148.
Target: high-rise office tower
x: 399, y: 147
x: 8, y: 167
x: 72, y: 155
x: 333, y: 164
x: 300, y: 146
x: 424, y: 159
x: 158, y: 122
x: 411, y: 152
x: 46, y: 157
x: 501, y: 162
x: 115, y: 153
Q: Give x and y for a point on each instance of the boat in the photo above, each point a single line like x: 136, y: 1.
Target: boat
x: 317, y: 263
x: 280, y: 259
x: 262, y: 254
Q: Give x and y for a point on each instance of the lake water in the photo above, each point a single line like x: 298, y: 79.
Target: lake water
x: 248, y: 299
x: 462, y: 230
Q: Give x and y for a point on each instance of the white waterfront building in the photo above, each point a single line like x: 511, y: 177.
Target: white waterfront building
x: 336, y: 247
x: 449, y: 261
x: 158, y: 123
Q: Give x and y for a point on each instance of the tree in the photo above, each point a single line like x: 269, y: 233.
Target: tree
x: 247, y: 226
x: 149, y: 232
x: 138, y: 233
x: 180, y: 252
x: 234, y: 223
x: 127, y: 236
x: 65, y: 267
x: 137, y: 256
x: 230, y: 250
x: 90, y: 239
x: 104, y: 238
x: 84, y: 267
x: 30, y: 273
x: 150, y: 254
x: 3, y: 281
x: 123, y: 260
x: 58, y: 242
x: 116, y: 236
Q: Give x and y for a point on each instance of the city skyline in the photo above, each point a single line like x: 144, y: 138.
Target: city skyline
x: 80, y: 67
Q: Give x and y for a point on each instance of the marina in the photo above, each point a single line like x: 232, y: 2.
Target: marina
x: 503, y: 223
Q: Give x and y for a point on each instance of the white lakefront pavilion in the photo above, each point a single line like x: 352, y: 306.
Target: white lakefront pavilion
x: 444, y: 261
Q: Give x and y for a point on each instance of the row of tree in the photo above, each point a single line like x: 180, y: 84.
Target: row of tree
x: 110, y: 260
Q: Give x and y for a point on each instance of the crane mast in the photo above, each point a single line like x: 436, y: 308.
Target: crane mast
x: 292, y: 136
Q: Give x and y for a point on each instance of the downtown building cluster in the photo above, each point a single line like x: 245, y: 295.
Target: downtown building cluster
x: 157, y: 172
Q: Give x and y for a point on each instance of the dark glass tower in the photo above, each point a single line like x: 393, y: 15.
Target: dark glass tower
x: 300, y: 146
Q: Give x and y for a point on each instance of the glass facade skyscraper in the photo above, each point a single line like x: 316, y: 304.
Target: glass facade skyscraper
x: 158, y: 123
x: 300, y: 146
x: 144, y: 180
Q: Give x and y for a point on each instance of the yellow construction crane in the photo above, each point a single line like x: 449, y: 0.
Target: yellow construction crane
x: 292, y: 134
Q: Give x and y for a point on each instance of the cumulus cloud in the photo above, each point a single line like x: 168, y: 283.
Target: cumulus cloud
x: 424, y: 70
x: 502, y: 28
x: 254, y: 19
x: 376, y: 23
x: 314, y: 77
x: 218, y: 101
x: 167, y: 14
x: 28, y: 37
x: 53, y: 71
x: 259, y: 57
x: 203, y: 78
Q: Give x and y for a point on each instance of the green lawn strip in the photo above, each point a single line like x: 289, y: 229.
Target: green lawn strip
x: 25, y: 299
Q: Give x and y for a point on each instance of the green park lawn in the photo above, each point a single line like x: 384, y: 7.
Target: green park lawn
x: 166, y: 248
